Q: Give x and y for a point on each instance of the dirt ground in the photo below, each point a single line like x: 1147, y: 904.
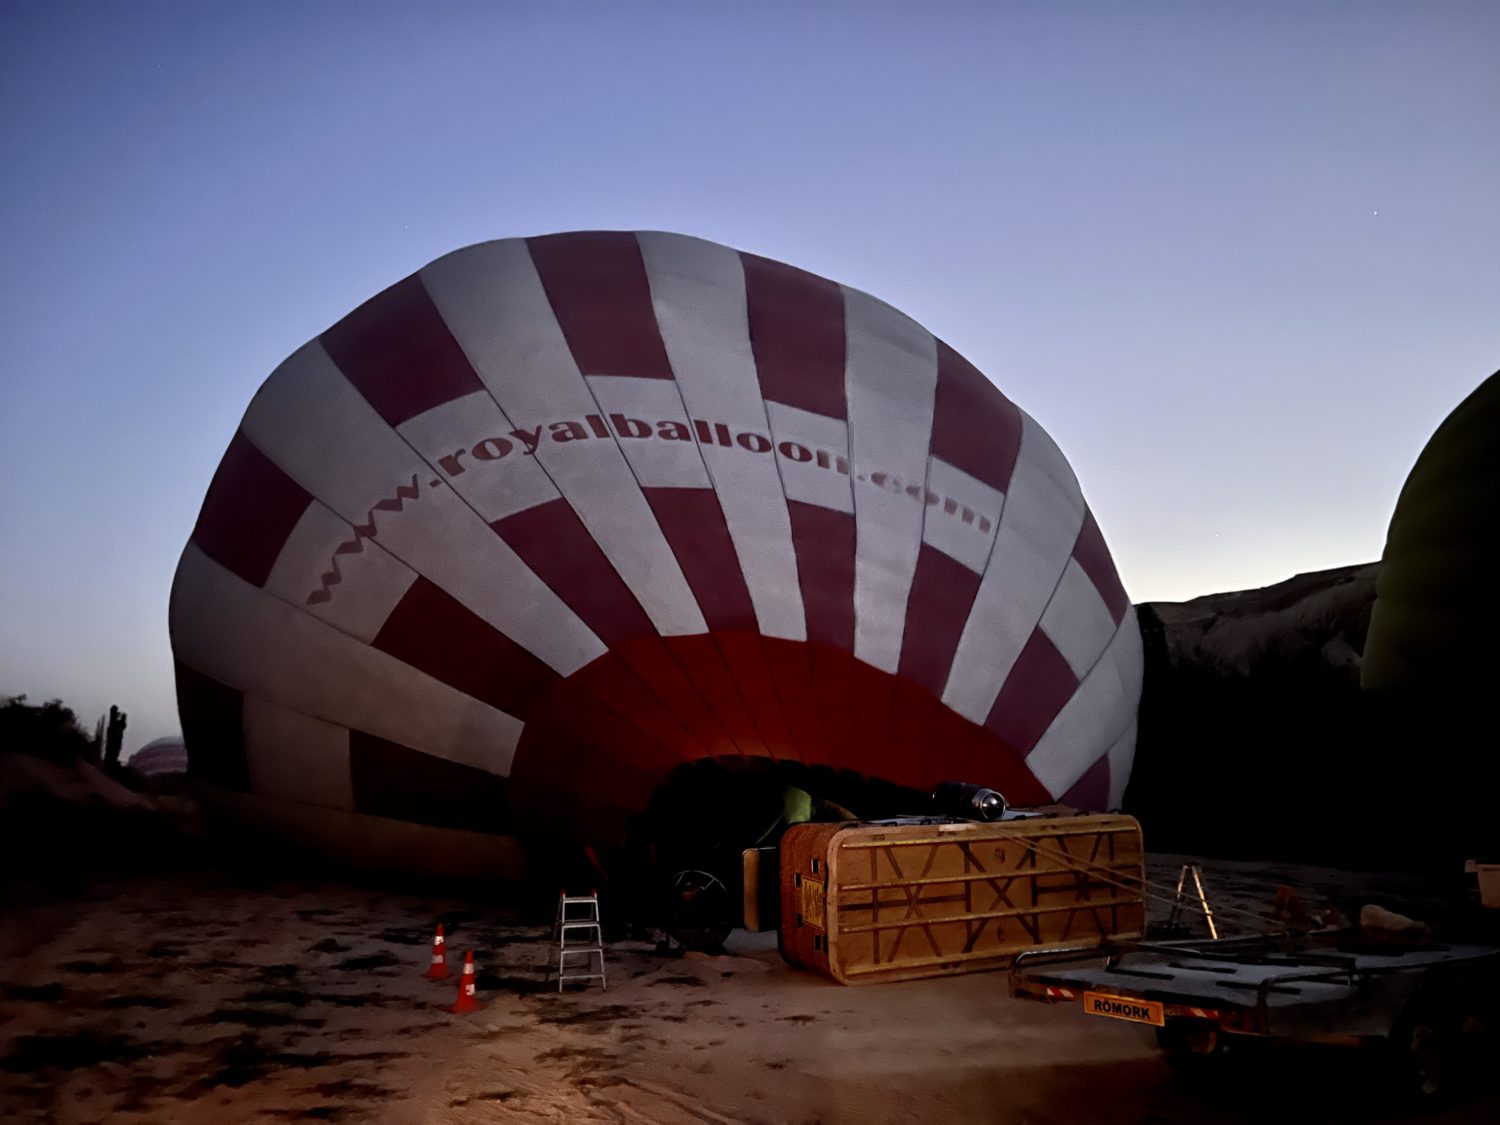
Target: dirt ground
x: 199, y: 998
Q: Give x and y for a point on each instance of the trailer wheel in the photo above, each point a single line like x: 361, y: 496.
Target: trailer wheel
x: 1191, y: 1045
x: 1422, y: 1043
x: 1476, y: 1047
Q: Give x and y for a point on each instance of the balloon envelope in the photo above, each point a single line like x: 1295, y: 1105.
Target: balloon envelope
x: 1435, y: 619
x: 160, y: 758
x: 553, y: 516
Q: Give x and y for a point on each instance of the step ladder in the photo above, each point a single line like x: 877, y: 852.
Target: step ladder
x: 576, y: 934
x: 1174, y: 919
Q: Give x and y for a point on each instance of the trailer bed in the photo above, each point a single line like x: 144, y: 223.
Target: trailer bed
x: 1261, y: 986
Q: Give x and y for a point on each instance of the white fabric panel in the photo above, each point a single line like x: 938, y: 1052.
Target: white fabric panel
x: 890, y: 380
x: 371, y: 580
x: 285, y: 656
x: 961, y: 540
x: 311, y: 422
x: 1121, y: 759
x: 1130, y: 654
x: 495, y: 474
x: 494, y: 303
x: 698, y: 292
x: 816, y: 481
x: 295, y: 757
x: 1038, y: 527
x: 1090, y: 722
x: 658, y: 462
x: 1077, y: 621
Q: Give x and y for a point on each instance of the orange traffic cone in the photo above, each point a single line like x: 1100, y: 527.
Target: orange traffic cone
x: 438, y: 970
x: 467, y: 1001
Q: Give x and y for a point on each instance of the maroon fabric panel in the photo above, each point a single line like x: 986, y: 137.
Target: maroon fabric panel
x: 824, y: 542
x: 703, y: 663
x: 797, y: 335
x: 627, y: 681
x: 942, y: 593
x: 213, y: 728
x: 581, y: 770
x: 1034, y: 692
x: 1090, y: 793
x: 791, y: 670
x: 397, y: 350
x: 747, y: 662
x: 959, y: 748
x: 693, y: 522
x: 833, y: 689
x: 873, y: 696
x: 974, y: 427
x: 587, y: 727
x: 1093, y: 557
x: 596, y: 282
x: 662, y: 670
x: 913, y: 713
x: 250, y: 509
x: 436, y: 634
x: 396, y: 781
x: 553, y: 542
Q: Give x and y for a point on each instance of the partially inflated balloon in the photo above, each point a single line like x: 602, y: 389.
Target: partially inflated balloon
x: 161, y: 757
x: 554, y: 516
x: 1436, y: 619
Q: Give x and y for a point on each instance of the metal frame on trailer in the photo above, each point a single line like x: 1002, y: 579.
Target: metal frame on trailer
x: 1274, y: 986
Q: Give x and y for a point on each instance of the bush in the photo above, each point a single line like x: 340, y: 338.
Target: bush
x: 50, y: 731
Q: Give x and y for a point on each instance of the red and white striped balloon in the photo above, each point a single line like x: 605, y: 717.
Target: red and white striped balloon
x: 555, y: 515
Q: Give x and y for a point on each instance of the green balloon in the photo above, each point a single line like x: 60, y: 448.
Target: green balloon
x: 1435, y: 626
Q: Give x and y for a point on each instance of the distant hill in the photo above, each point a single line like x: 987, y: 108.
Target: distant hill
x: 1255, y: 738
x: 1326, y: 612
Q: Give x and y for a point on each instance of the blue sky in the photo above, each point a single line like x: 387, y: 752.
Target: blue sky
x: 1239, y: 259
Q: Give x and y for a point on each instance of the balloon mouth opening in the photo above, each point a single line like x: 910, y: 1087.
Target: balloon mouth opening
x: 724, y: 805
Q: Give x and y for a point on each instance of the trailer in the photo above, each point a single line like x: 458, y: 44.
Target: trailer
x: 1431, y: 1005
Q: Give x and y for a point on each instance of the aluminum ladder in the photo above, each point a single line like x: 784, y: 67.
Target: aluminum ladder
x: 1174, y: 919
x: 576, y: 934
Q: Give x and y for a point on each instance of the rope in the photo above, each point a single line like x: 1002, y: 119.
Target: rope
x: 1107, y: 875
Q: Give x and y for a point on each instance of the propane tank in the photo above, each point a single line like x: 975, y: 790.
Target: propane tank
x: 968, y: 801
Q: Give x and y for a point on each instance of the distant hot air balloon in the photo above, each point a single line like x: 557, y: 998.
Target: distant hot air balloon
x: 160, y: 757
x: 554, y: 516
x: 1435, y: 622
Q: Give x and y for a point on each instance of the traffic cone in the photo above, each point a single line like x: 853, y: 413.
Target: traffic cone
x: 438, y: 970
x: 467, y: 1001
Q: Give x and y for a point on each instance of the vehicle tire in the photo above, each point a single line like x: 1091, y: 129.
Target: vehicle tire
x: 1192, y: 1046
x: 700, y: 912
x: 1423, y: 1054
x: 1476, y: 1049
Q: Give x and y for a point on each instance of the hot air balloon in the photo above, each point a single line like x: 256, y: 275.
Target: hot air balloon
x: 554, y: 518
x: 1430, y: 665
x: 161, y: 757
x: 1434, y: 624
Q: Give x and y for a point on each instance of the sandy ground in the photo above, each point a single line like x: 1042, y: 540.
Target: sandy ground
x: 197, y: 998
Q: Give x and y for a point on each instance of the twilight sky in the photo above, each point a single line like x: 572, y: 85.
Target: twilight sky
x: 1238, y: 259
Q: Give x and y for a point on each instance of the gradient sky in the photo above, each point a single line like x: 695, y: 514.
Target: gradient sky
x: 1239, y: 259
